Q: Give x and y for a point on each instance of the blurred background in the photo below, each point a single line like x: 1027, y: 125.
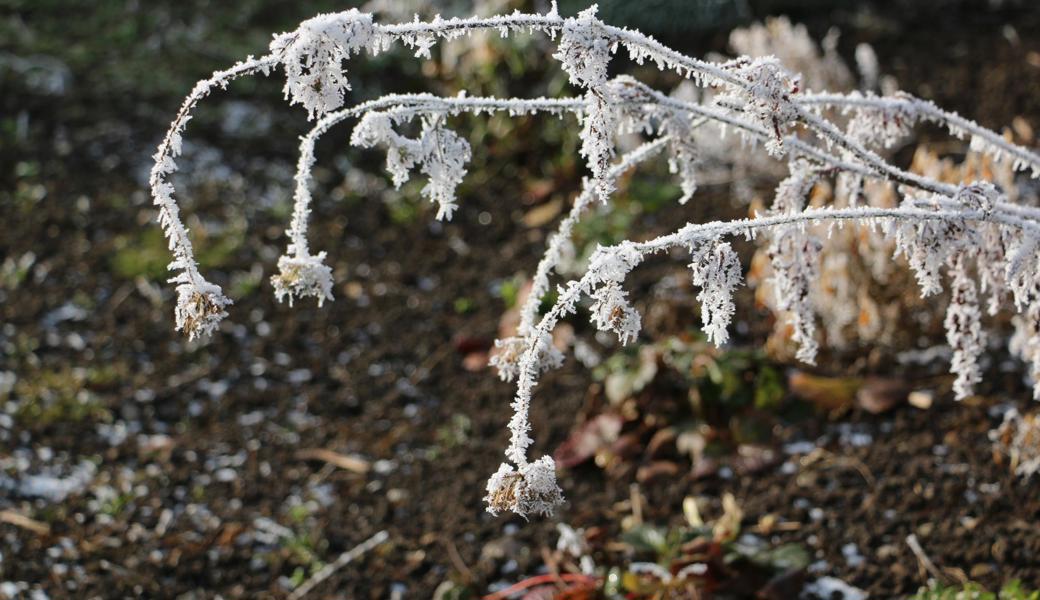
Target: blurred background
x: 134, y: 463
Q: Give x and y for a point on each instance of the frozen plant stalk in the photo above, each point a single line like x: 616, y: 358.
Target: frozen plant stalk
x: 822, y: 136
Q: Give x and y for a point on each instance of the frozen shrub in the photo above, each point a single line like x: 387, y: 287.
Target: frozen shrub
x: 938, y: 225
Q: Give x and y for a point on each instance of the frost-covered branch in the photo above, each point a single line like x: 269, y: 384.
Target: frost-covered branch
x: 968, y: 233
x: 903, y: 111
x: 200, y: 304
x: 506, y: 359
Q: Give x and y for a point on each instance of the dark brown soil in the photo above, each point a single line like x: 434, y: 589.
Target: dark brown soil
x: 378, y: 373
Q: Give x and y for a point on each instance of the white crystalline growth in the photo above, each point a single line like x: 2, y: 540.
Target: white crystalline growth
x: 964, y: 330
x: 795, y: 260
x: 611, y: 311
x: 765, y: 97
x: 530, y: 490
x: 440, y: 153
x: 313, y: 58
x: 509, y: 351
x: 200, y: 307
x: 716, y: 270
x: 301, y: 276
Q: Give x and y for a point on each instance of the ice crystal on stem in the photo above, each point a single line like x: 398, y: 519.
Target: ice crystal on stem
x: 531, y: 489
x: 927, y: 244
x: 313, y: 58
x: 200, y: 307
x: 881, y: 124
x: 683, y: 160
x: 611, y: 311
x: 585, y: 53
x: 509, y: 352
x: 964, y: 329
x: 716, y: 270
x: 584, y: 49
x: 765, y: 97
x: 795, y: 260
x: 440, y: 153
x: 301, y: 276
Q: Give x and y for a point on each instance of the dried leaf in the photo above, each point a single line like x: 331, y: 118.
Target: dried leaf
x: 590, y: 437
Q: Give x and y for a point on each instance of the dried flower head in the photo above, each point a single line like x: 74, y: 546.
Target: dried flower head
x: 530, y: 490
x: 300, y: 276
x: 200, y: 308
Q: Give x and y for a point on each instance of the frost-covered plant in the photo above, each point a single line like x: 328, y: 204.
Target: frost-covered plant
x: 936, y: 225
x: 1017, y: 440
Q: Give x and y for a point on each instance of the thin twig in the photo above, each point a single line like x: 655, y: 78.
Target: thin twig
x: 456, y: 560
x: 19, y: 520
x: 349, y: 463
x: 344, y: 559
x: 922, y: 558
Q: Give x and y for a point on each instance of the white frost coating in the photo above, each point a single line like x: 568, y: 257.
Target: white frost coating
x: 200, y: 306
x: 795, y: 258
x: 301, y: 276
x: 906, y: 106
x: 313, y: 58
x: 530, y: 490
x: 937, y: 222
x: 926, y: 246
x: 716, y: 270
x: 585, y: 52
x: 507, y: 360
x: 881, y: 125
x: 964, y: 329
x: 440, y: 153
x: 511, y: 349
x: 611, y: 311
x: 765, y: 97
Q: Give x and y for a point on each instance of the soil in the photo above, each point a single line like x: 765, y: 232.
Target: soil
x: 194, y: 445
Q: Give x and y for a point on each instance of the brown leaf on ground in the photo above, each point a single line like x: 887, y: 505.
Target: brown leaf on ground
x: 590, y: 437
x: 475, y: 361
x: 543, y: 213
x: 826, y: 393
x: 881, y: 394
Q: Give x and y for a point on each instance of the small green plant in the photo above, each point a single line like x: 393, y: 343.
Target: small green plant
x: 717, y: 406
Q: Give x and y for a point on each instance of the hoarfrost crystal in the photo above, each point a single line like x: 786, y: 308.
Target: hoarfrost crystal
x: 716, y: 270
x: 313, y: 58
x: 301, y: 276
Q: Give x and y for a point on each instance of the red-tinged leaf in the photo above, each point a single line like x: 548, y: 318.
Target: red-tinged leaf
x: 590, y: 437
x: 878, y: 394
x: 658, y: 469
x: 465, y: 344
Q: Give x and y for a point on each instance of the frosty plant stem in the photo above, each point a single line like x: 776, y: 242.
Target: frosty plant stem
x: 938, y: 227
